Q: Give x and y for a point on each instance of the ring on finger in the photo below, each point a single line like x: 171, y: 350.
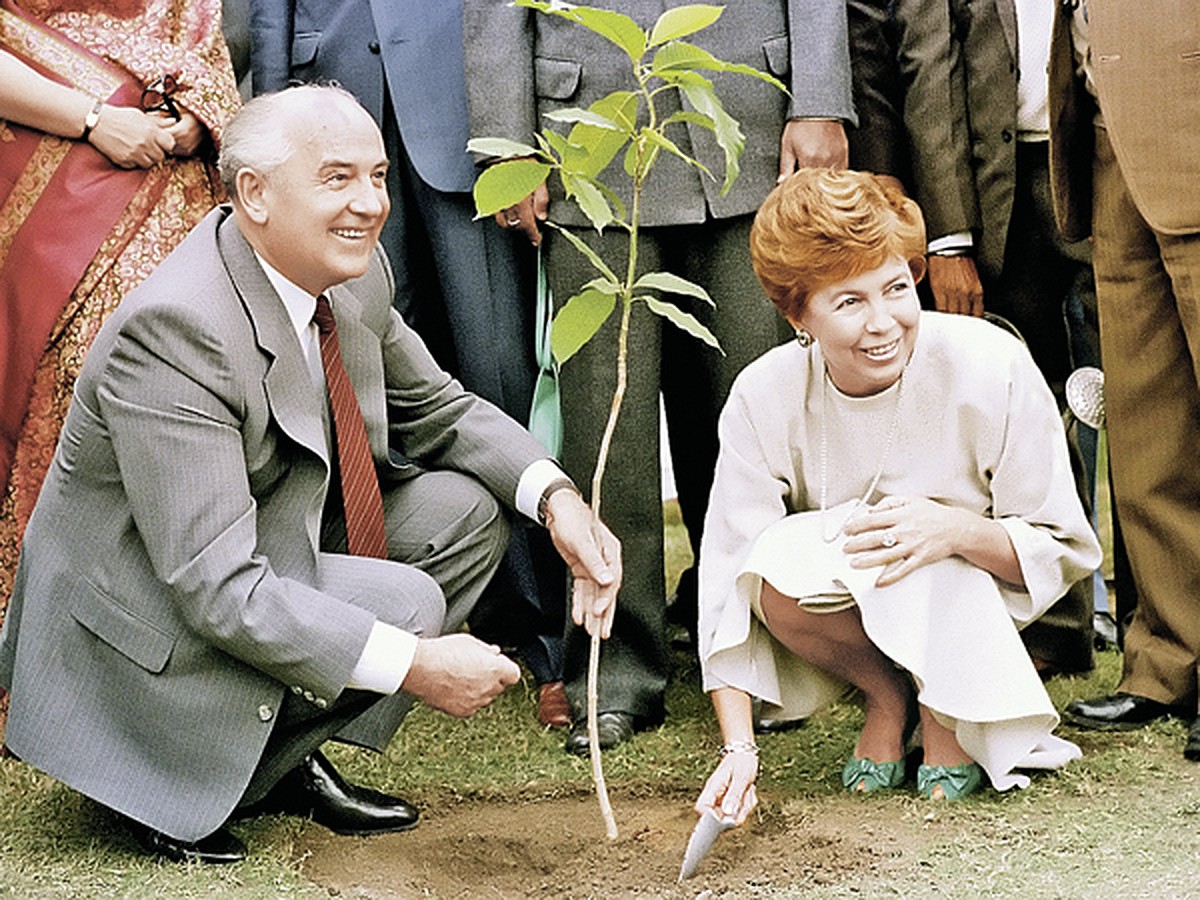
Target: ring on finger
x: 888, y: 539
x: 513, y: 223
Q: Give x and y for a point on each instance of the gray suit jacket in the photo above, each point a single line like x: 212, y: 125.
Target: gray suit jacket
x: 959, y: 59
x: 412, y: 49
x: 522, y: 65
x: 164, y: 600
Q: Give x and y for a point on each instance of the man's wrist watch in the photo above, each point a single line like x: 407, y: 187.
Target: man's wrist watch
x: 557, y: 484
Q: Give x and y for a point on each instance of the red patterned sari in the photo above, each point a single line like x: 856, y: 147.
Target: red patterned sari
x: 77, y: 233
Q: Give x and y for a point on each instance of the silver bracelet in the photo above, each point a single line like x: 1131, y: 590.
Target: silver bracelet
x: 739, y: 747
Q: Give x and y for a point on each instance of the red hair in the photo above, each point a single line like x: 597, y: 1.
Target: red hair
x: 823, y: 226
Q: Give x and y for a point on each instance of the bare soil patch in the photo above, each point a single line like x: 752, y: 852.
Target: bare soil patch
x: 557, y: 848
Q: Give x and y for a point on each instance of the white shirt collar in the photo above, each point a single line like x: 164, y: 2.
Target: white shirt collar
x: 300, y: 304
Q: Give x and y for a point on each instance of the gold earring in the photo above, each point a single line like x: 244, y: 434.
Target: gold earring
x: 803, y: 338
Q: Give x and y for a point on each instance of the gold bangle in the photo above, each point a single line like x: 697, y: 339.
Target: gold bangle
x: 92, y: 120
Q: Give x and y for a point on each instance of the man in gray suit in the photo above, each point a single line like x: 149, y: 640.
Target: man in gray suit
x: 403, y: 60
x: 976, y: 114
x: 521, y: 66
x: 187, y: 627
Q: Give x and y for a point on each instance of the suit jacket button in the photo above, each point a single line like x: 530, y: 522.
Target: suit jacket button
x: 296, y: 689
x: 374, y: 47
x: 309, y: 696
x: 265, y: 713
x: 321, y: 702
x: 1006, y: 136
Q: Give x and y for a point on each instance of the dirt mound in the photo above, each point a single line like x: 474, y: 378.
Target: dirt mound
x: 557, y: 848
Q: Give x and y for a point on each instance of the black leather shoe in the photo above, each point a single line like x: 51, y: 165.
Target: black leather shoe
x: 219, y: 848
x: 612, y: 728
x: 1191, y: 750
x: 315, y: 790
x: 1116, y: 712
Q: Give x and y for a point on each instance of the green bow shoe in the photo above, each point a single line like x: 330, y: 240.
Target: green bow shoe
x: 866, y: 775
x: 955, y: 781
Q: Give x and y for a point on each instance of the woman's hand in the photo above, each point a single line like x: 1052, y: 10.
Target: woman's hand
x: 131, y: 138
x: 729, y: 792
x: 188, y: 133
x: 904, y: 533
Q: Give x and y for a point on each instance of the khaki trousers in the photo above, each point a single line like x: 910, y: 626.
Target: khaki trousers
x: 1148, y: 287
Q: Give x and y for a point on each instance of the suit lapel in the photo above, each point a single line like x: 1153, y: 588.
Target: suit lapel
x: 360, y: 355
x: 1007, y: 11
x: 295, y: 401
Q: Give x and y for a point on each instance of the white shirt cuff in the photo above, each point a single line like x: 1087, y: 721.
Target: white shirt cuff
x: 385, y: 660
x: 956, y: 241
x: 533, y: 482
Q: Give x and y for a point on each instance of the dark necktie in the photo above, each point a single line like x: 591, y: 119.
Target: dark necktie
x: 361, y: 500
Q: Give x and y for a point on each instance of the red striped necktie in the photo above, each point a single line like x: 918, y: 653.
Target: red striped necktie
x: 361, y: 501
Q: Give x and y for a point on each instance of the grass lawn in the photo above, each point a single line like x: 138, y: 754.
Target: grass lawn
x: 1123, y: 822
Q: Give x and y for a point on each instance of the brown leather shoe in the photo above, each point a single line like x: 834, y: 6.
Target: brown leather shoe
x: 553, y: 709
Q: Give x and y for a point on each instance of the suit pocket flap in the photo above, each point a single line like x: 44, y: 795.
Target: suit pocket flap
x: 557, y: 79
x: 304, y: 47
x: 778, y: 55
x: 141, y: 641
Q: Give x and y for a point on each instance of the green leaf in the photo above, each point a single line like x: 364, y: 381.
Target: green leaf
x: 667, y: 144
x: 620, y: 29
x: 602, y: 144
x: 681, y: 319
x: 680, y: 56
x: 507, y: 183
x: 604, y: 286
x: 578, y: 320
x: 672, y: 284
x: 726, y: 130
x: 589, y: 199
x: 500, y: 147
x: 575, y: 114
x: 573, y: 158
x: 593, y: 257
x: 682, y: 21
x: 690, y: 118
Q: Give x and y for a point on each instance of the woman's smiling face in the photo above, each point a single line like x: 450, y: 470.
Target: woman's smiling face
x: 867, y: 327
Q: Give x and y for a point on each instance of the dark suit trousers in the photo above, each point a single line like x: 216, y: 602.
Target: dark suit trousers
x: 467, y: 287
x: 1041, y: 274
x: 694, y: 380
x: 1148, y: 285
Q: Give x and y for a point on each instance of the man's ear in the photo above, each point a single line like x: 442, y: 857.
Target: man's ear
x: 252, y: 191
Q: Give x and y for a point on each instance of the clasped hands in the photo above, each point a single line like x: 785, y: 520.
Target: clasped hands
x: 133, y: 139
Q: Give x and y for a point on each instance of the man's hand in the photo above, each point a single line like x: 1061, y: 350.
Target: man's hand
x: 593, y: 554
x: 955, y: 284
x: 527, y: 213
x: 459, y: 674
x: 812, y: 143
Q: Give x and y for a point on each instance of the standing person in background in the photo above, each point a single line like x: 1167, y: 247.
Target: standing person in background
x: 1125, y: 160
x: 404, y: 62
x: 976, y: 113
x: 110, y: 114
x: 879, y: 143
x: 521, y: 66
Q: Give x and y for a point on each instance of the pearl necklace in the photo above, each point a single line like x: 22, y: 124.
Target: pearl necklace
x: 824, y: 458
